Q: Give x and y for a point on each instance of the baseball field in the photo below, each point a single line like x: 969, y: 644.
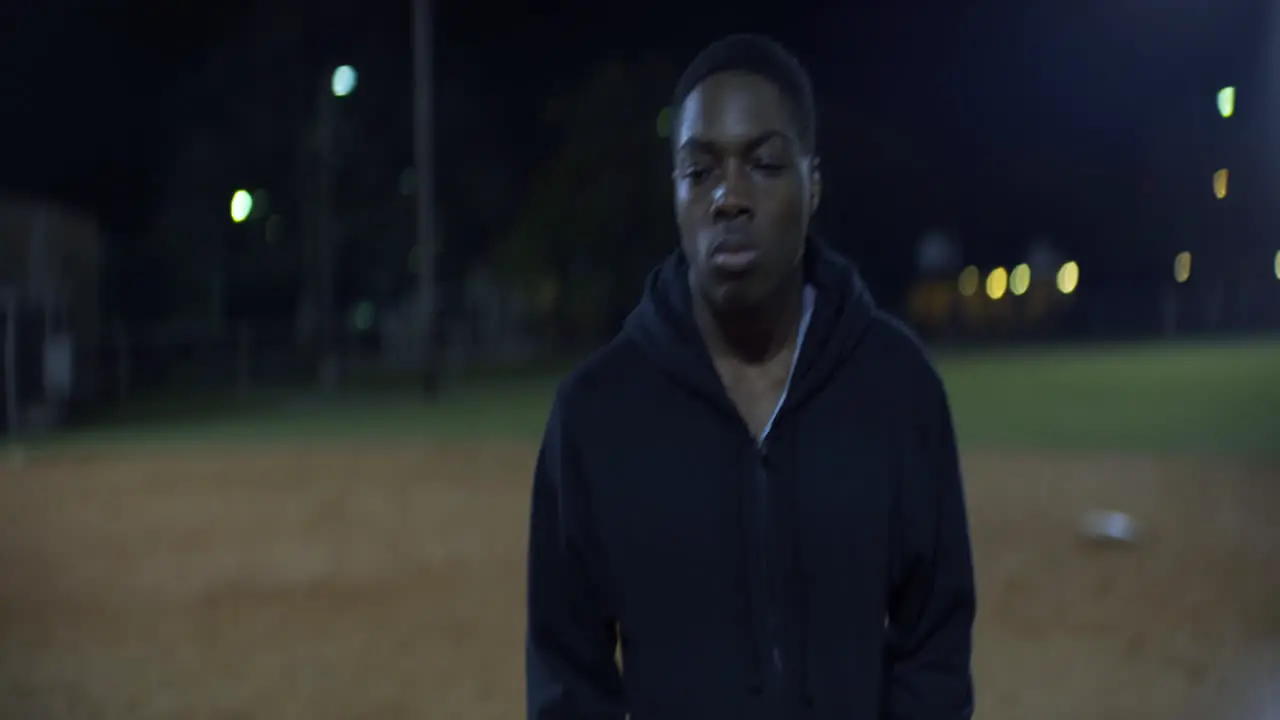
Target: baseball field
x: 286, y: 558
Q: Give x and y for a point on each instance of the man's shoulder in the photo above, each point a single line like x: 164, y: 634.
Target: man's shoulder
x: 602, y: 376
x: 899, y: 355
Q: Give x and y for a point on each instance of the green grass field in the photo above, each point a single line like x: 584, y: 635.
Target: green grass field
x: 1222, y: 398
x: 1178, y: 398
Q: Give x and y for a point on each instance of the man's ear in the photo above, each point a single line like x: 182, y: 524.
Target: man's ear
x: 815, y: 184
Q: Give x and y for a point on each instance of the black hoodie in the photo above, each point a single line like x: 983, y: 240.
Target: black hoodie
x: 824, y: 573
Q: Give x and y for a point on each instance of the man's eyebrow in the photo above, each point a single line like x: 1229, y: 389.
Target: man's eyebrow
x: 764, y: 137
x: 699, y: 144
x: 696, y: 144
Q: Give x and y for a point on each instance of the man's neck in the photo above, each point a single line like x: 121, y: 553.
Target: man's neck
x: 757, y: 334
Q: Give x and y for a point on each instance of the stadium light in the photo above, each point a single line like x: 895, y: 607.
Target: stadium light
x: 997, y: 283
x: 968, y: 282
x: 1020, y: 279
x: 241, y: 205
x: 1068, y: 278
x: 1227, y: 101
x: 1220, y: 179
x: 343, y: 82
x: 1182, y: 267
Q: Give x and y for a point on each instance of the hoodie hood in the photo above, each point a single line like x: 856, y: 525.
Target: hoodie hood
x: 664, y: 327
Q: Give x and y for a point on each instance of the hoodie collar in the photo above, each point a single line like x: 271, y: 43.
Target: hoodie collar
x: 664, y: 327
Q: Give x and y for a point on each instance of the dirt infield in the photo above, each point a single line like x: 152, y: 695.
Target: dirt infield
x: 386, y: 582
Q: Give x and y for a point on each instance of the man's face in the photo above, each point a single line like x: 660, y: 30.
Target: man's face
x: 744, y: 188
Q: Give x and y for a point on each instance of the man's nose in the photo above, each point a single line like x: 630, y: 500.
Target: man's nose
x: 732, y: 198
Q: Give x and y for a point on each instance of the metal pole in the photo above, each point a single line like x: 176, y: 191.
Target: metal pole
x: 242, y: 360
x: 424, y: 170
x: 325, y: 236
x: 11, y: 362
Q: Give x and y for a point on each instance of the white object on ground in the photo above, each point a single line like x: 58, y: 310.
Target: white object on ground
x: 1109, y: 525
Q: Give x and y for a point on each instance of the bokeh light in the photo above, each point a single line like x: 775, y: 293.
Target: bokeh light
x: 664, y: 123
x: 997, y: 283
x: 968, y: 282
x: 1182, y: 266
x: 274, y: 227
x: 1068, y: 277
x: 1227, y: 101
x: 344, y: 80
x: 1220, y: 179
x: 241, y: 205
x: 363, y: 316
x: 1020, y: 279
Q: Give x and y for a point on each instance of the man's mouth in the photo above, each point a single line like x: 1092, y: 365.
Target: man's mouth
x: 734, y: 261
x: 732, y: 256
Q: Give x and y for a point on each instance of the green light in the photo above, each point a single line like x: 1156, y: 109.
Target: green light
x: 1227, y: 101
x: 343, y: 81
x: 664, y: 123
x: 241, y: 205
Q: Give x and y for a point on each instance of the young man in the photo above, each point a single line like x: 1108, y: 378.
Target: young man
x: 755, y: 486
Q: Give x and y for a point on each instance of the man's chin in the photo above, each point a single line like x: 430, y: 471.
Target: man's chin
x: 734, y: 296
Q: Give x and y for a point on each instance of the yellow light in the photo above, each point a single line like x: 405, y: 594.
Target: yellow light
x: 1227, y: 101
x: 1182, y: 266
x: 997, y: 283
x: 1220, y: 179
x: 968, y: 282
x: 1020, y: 279
x: 1068, y: 278
x: 1278, y: 264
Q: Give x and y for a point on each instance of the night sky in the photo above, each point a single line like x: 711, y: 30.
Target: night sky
x: 98, y: 92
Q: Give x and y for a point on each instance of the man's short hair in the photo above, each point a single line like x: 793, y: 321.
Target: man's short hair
x: 762, y: 56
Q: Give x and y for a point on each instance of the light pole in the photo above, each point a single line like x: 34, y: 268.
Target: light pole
x: 1218, y: 301
x: 423, y: 158
x: 341, y: 83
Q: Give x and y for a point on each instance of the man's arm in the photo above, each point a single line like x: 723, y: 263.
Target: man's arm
x: 932, y: 599
x: 569, y: 650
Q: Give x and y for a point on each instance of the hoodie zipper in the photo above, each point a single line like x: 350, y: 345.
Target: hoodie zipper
x: 771, y: 643
x: 771, y: 594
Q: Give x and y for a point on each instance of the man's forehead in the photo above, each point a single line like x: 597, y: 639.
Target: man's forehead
x: 731, y: 108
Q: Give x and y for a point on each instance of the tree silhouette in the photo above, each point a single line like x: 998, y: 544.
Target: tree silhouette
x: 598, y: 211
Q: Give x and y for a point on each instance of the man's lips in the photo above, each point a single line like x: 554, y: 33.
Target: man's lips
x: 734, y: 261
x: 733, y: 256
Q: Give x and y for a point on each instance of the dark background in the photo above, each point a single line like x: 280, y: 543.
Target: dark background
x: 1088, y: 127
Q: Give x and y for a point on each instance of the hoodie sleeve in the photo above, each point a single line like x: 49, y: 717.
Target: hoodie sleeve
x: 932, y: 599
x: 571, y: 639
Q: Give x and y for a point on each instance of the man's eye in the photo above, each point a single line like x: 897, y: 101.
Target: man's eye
x: 696, y: 174
x: 769, y: 168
